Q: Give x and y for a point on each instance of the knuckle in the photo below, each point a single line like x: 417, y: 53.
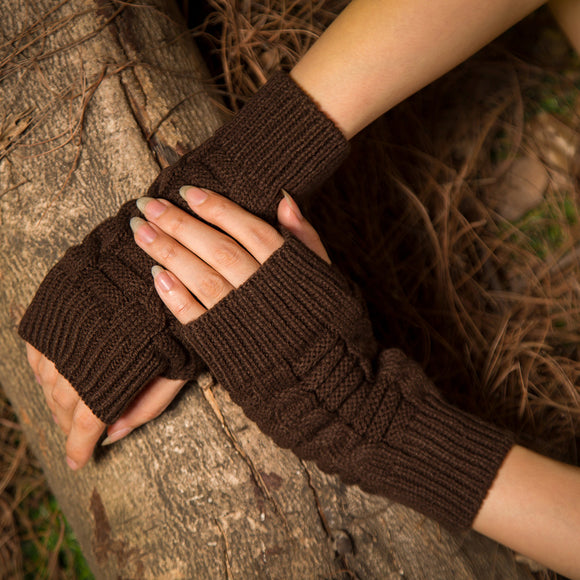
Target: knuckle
x: 177, y: 225
x: 217, y: 210
x: 167, y: 253
x: 63, y: 399
x: 85, y: 420
x: 212, y: 286
x: 48, y: 374
x: 227, y: 254
x: 265, y: 236
x: 51, y: 405
x: 183, y: 309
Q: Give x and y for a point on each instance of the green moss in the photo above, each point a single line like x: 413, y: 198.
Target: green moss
x: 44, y: 539
x: 546, y: 228
x: 553, y: 95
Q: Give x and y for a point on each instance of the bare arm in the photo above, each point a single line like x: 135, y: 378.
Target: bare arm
x: 376, y: 54
x: 533, y: 507
x: 379, y: 52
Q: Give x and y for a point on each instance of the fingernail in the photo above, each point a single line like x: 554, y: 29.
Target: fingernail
x: 37, y: 379
x: 113, y: 437
x: 293, y: 205
x: 183, y: 191
x: 193, y: 195
x: 55, y: 418
x: 152, y: 207
x: 142, y: 230
x: 72, y: 463
x: 162, y: 278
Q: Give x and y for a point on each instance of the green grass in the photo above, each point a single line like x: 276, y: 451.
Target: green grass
x: 553, y: 95
x: 50, y: 544
x: 546, y: 227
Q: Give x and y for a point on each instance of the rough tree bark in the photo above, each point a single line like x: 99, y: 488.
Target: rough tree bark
x: 96, y: 96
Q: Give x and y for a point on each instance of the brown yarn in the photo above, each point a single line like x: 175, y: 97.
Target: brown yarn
x: 96, y: 314
x: 293, y: 345
x: 295, y: 349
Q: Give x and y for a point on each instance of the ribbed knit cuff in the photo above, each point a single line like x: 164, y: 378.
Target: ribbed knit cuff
x: 100, y: 341
x: 263, y: 342
x: 274, y: 316
x: 288, y: 142
x: 279, y: 140
x: 442, y: 462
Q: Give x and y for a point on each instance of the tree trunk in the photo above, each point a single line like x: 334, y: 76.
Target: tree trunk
x: 96, y: 96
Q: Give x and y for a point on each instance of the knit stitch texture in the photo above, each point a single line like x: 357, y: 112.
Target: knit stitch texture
x: 96, y: 314
x: 294, y: 347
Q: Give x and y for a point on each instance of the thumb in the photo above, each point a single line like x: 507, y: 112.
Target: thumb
x: 147, y: 405
x: 290, y: 216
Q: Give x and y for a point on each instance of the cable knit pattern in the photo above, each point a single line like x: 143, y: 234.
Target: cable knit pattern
x: 96, y: 314
x: 294, y: 347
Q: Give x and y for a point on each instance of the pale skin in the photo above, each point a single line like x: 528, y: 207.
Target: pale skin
x: 377, y: 53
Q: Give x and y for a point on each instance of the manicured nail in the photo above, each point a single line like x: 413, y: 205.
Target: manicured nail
x: 55, y: 418
x: 37, y: 379
x: 193, y: 195
x: 152, y: 207
x: 162, y: 278
x: 72, y: 464
x: 113, y: 437
x: 293, y: 205
x: 183, y: 191
x: 146, y: 233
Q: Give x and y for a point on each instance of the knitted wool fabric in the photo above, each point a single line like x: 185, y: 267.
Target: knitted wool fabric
x: 294, y: 347
x: 97, y: 315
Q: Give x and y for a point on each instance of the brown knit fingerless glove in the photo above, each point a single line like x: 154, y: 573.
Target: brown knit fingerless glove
x: 294, y: 347
x: 96, y: 314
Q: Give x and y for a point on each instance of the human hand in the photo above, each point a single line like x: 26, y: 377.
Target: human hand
x: 203, y: 264
x: 233, y: 265
x: 289, y: 338
x: 81, y: 427
x: 96, y: 314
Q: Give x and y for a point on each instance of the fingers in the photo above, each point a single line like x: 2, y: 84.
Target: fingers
x: 259, y: 238
x: 61, y: 397
x: 63, y: 403
x: 203, y: 281
x: 176, y: 296
x: 290, y: 216
x: 203, y: 260
x: 47, y: 375
x: 34, y: 357
x: 212, y: 247
x: 148, y: 405
x: 82, y: 427
x: 86, y: 430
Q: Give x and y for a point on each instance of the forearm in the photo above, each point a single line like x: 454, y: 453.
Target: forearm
x: 379, y: 52
x: 533, y: 507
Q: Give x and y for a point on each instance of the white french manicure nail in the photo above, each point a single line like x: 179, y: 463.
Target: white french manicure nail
x: 114, y: 437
